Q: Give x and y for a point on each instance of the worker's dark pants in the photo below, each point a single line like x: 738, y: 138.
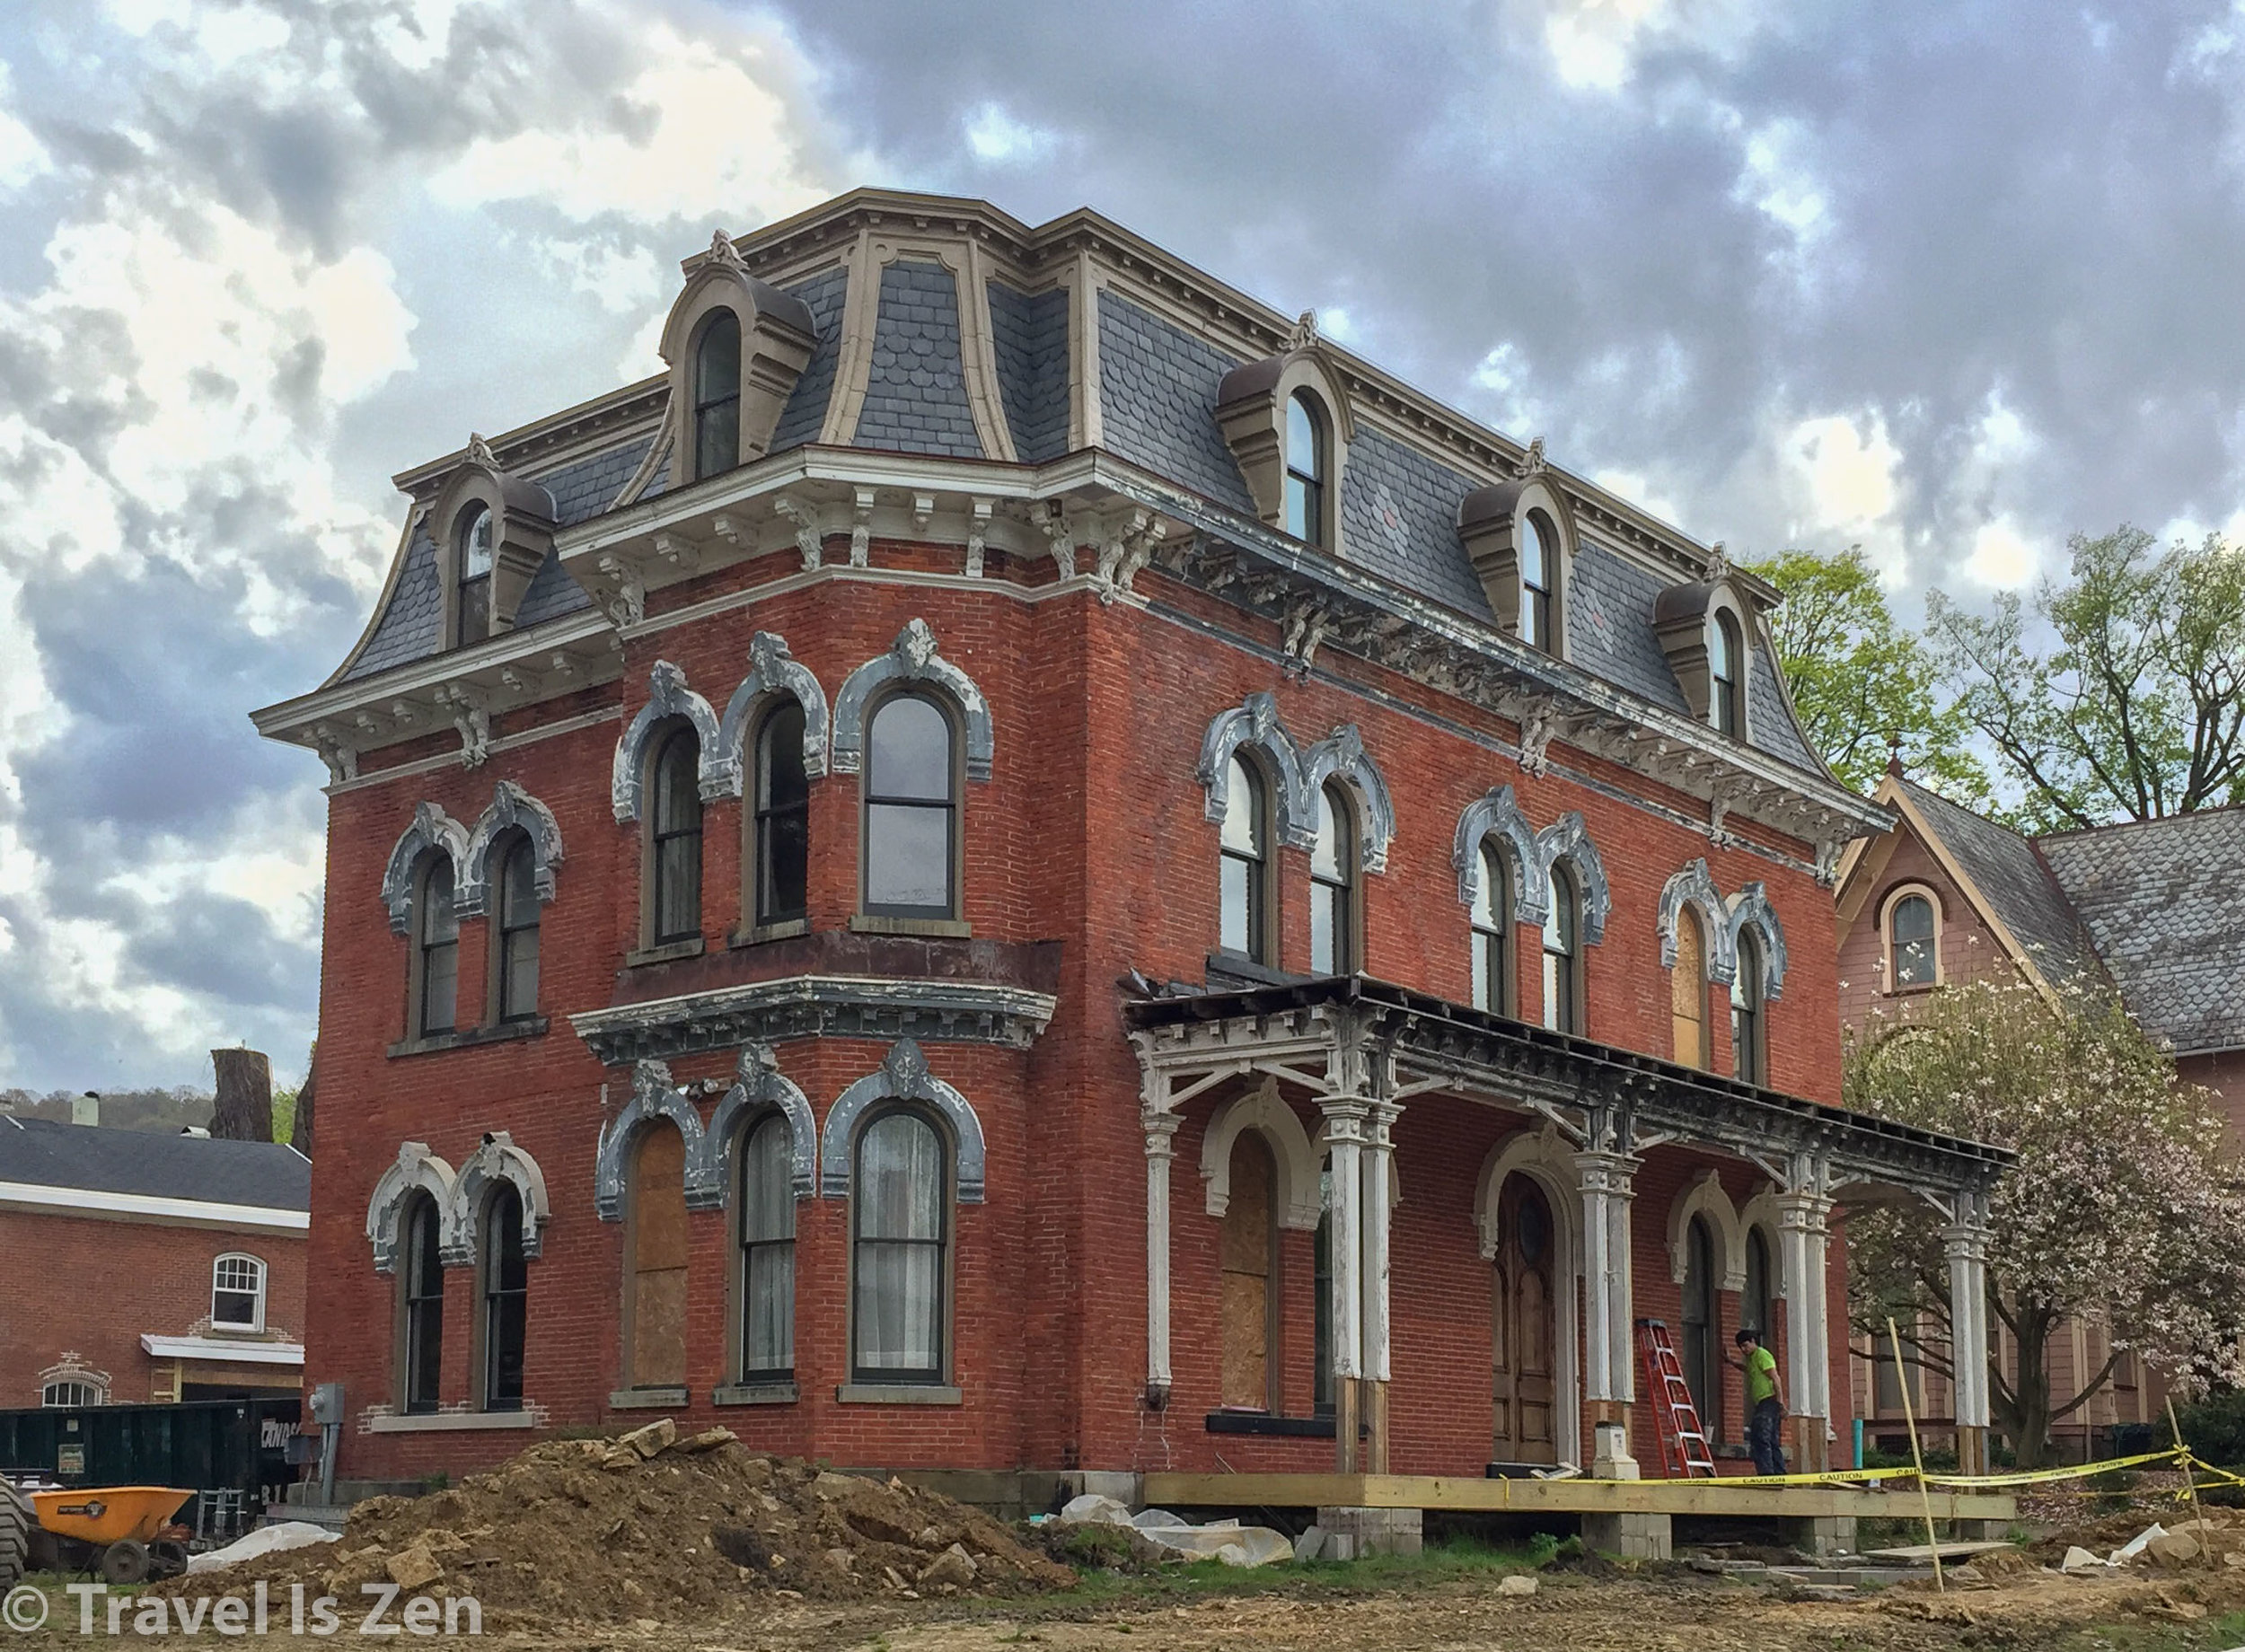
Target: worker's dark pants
x: 1761, y: 1435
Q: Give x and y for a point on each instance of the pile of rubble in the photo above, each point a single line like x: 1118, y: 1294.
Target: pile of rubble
x: 656, y: 1525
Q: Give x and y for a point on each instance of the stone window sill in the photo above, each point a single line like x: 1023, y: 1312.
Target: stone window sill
x: 647, y: 1399
x: 666, y: 953
x: 450, y: 1422
x: 757, y: 933
x: 863, y: 924
x: 1263, y: 1422
x: 756, y: 1393
x: 1240, y: 967
x: 468, y: 1038
x: 897, y: 1393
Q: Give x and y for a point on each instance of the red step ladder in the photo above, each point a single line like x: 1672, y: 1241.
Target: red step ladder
x: 1684, y: 1452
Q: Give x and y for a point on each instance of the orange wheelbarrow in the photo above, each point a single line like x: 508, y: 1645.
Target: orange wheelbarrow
x: 124, y: 1531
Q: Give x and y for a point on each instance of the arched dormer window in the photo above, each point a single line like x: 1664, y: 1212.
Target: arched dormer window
x: 1913, y: 941
x: 1334, y: 947
x: 1519, y: 535
x: 474, y: 541
x: 717, y: 395
x: 1563, y: 952
x: 1492, y: 935
x: 1539, y: 588
x: 674, y: 843
x: 1307, y: 467
x: 1726, y: 676
x: 1244, y: 876
x: 1748, y: 1053
x: 911, y: 793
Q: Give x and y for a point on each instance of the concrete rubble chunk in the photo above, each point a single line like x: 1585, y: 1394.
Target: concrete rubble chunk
x: 1517, y: 1585
x: 652, y: 1440
x: 413, y: 1569
x: 1310, y: 1544
x: 954, y: 1566
x: 710, y: 1440
x: 2127, y: 1551
x: 2171, y: 1549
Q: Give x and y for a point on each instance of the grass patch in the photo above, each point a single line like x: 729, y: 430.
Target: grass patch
x: 1454, y: 1559
x: 2225, y: 1631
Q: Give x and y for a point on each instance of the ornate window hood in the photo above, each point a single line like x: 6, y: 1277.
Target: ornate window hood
x: 933, y: 1012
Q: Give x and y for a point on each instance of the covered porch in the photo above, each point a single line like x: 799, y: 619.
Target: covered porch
x: 1563, y: 1135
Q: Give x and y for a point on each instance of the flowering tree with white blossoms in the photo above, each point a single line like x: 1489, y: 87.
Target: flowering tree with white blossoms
x: 2126, y: 1206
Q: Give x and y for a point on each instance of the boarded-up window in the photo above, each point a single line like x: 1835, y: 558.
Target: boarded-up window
x: 1250, y: 1266
x: 1688, y: 992
x: 655, y: 1336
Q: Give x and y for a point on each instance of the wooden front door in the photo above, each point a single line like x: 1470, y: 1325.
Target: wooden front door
x: 1523, y: 1328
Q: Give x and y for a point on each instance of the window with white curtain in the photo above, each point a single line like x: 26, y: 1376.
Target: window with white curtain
x: 767, y: 1230
x: 902, y: 1196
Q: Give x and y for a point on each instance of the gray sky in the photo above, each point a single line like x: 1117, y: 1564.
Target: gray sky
x: 1949, y: 280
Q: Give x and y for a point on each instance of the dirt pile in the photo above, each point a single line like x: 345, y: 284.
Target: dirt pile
x: 654, y: 1526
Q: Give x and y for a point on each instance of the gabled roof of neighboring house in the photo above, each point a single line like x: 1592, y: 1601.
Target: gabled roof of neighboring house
x: 151, y: 1164
x: 2004, y: 870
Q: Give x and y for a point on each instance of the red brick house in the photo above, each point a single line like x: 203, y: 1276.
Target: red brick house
x: 2148, y: 908
x: 1023, y: 864
x: 149, y: 1266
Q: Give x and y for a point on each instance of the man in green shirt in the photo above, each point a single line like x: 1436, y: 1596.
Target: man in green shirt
x: 1765, y: 1407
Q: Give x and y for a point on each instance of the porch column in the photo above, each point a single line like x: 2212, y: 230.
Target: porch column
x: 1346, y: 1118
x: 1966, y: 1241
x: 1607, y: 1186
x: 1379, y: 1158
x: 1161, y: 1151
x: 1802, y: 1215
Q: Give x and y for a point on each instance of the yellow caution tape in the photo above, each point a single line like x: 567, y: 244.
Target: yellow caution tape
x: 1879, y: 1478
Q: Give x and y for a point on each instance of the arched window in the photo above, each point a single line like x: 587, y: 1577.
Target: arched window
x: 1246, y: 870
x: 1333, y: 938
x: 1726, y: 675
x: 1539, y: 543
x: 504, y: 1275
x: 1757, y: 1304
x: 1913, y: 944
x: 516, y: 935
x: 1248, y: 1257
x: 1492, y: 935
x: 1562, y: 954
x: 65, y: 1391
x: 902, y: 1196
x: 1749, y: 1059
x: 422, y: 1307
x: 1307, y: 461
x: 911, y: 811
x: 473, y: 539
x: 1701, y: 1354
x: 436, y: 951
x: 674, y: 905
x: 781, y: 822
x: 717, y: 396
x: 1688, y: 992
x: 655, y: 1241
x: 767, y: 1234
x: 237, y: 1294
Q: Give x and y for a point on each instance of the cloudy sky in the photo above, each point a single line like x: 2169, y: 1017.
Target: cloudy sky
x: 1949, y: 280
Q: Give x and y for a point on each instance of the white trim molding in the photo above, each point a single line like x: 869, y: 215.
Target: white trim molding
x: 432, y: 829
x: 1694, y: 886
x: 758, y: 1084
x: 1301, y: 772
x: 1702, y: 1196
x: 415, y: 1168
x: 903, y: 1076
x: 913, y: 657
x: 719, y: 775
x: 653, y: 1097
x: 511, y: 807
x: 148, y: 1208
x: 248, y: 1351
x: 1299, y: 1203
x: 496, y: 1159
x: 772, y: 673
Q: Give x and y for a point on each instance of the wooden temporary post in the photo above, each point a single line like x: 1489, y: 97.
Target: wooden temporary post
x: 2190, y: 1482
x: 1917, y: 1458
x: 244, y: 1107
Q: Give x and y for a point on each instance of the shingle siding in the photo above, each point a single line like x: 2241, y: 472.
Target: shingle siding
x: 1157, y: 401
x: 1029, y: 338
x: 804, y: 414
x: 2015, y: 881
x: 1399, y: 518
x: 1768, y: 724
x: 916, y: 386
x: 590, y: 486
x: 408, y: 629
x: 1609, y: 624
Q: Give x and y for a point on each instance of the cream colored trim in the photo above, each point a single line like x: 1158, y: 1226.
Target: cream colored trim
x: 451, y: 760
x: 143, y: 1207
x: 1890, y: 792
x: 978, y: 355
x: 1893, y: 898
x: 449, y: 1422
x: 861, y: 309
x: 1083, y: 283
x: 224, y: 1349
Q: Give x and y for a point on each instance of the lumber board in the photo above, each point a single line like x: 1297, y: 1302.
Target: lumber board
x: 1586, y: 1497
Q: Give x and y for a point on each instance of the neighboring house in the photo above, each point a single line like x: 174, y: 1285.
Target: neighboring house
x: 864, y: 875
x: 2155, y: 910
x: 149, y: 1266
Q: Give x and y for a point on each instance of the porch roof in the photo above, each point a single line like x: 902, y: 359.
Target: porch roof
x: 1426, y: 1040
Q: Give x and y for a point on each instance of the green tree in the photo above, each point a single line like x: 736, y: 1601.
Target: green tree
x: 1860, y: 681
x: 2124, y: 1205
x: 2136, y: 709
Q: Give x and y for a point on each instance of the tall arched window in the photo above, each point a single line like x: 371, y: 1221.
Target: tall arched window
x: 1701, y: 1354
x: 1307, y: 462
x: 422, y: 1307
x: 903, y: 1198
x: 1245, y: 871
x: 655, y: 1240
x: 1757, y: 1304
x: 1688, y: 992
x: 1726, y: 667
x: 674, y: 907
x: 436, y: 950
x: 1749, y: 1056
x: 911, y: 811
x: 504, y: 1275
x: 473, y: 543
x: 781, y: 822
x: 237, y: 1294
x: 717, y: 396
x: 1913, y: 944
x: 1538, y: 544
x: 1248, y: 1257
x: 1563, y: 954
x: 1492, y: 935
x: 767, y: 1234
x: 516, y: 935
x: 1332, y: 926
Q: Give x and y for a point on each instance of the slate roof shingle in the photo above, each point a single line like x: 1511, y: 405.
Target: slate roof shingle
x: 43, y: 1153
x: 2006, y: 870
x: 915, y: 399
x: 1028, y: 338
x: 804, y: 416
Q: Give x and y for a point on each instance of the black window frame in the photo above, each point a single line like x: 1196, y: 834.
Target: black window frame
x: 748, y: 1246
x: 1726, y: 693
x: 1337, y: 889
x: 679, y: 742
x: 1495, y: 963
x: 768, y: 819
x: 516, y: 912
x: 1258, y: 861
x: 434, y: 957
x: 1930, y: 941
x: 1564, y: 1008
x: 1749, y: 1032
x: 706, y: 407
x: 1539, y: 600
x: 946, y: 1173
x: 953, y: 806
x: 420, y: 1306
x: 1313, y: 486
x: 472, y: 592
x: 503, y: 1292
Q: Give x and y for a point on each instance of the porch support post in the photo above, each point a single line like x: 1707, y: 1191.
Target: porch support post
x: 1161, y: 1152
x: 1803, y: 1211
x: 1605, y: 1180
x: 1379, y: 1158
x: 1965, y: 1242
x: 1345, y: 1128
